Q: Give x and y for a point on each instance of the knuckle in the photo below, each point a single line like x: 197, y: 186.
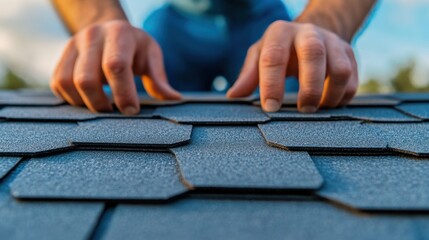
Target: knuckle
x: 313, y: 48
x: 85, y: 82
x: 279, y: 25
x: 115, y: 65
x: 89, y: 35
x: 118, y: 25
x: 272, y: 56
x: 341, y: 71
x: 311, y: 93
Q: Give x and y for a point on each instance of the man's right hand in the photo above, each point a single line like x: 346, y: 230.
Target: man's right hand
x: 111, y: 52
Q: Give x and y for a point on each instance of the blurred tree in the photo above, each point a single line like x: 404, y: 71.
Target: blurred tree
x: 11, y: 81
x: 402, y: 81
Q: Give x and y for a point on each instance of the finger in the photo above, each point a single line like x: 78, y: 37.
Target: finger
x: 339, y: 72
x: 155, y: 79
x: 311, y: 54
x: 247, y: 81
x: 353, y: 83
x: 118, y: 54
x: 62, y: 79
x: 273, y: 61
x: 87, y: 72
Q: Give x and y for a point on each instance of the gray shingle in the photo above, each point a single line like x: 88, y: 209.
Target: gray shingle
x: 23, y: 138
x: 374, y: 101
x: 420, y: 110
x: 375, y: 182
x: 9, y: 98
x: 412, y: 138
x: 380, y: 114
x: 131, y: 133
x: 213, y: 114
x: 63, y: 112
x: 238, y: 157
x: 100, y: 175
x: 325, y: 136
x: 373, y: 114
x: 229, y: 219
x: 6, y: 164
x: 210, y: 97
x: 21, y: 221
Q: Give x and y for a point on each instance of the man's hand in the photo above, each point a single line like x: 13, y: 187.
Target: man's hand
x: 111, y: 52
x: 324, y: 63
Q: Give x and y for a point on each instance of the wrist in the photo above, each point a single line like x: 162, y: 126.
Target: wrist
x: 325, y: 21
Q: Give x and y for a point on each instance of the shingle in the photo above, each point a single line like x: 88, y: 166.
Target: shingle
x: 238, y: 157
x: 410, y: 97
x: 6, y: 164
x: 379, y: 114
x: 410, y: 138
x: 209, y: 97
x: 198, y: 113
x: 100, y: 175
x: 291, y: 113
x: 375, y: 182
x: 9, y: 98
x: 420, y: 110
x: 131, y: 133
x: 372, y: 101
x: 33, y: 220
x: 63, y: 112
x: 234, y: 219
x: 22, y: 138
x: 325, y: 136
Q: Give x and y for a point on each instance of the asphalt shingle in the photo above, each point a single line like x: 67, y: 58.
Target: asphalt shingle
x: 238, y: 157
x: 49, y: 220
x: 27, y: 138
x: 234, y: 219
x: 131, y: 133
x: 410, y: 97
x: 100, y: 175
x: 6, y: 164
x: 419, y: 110
x: 198, y: 113
x: 324, y: 136
x: 391, y: 183
x: 412, y: 138
x: 9, y: 98
x: 63, y: 113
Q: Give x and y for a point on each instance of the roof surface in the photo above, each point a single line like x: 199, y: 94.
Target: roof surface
x: 210, y: 168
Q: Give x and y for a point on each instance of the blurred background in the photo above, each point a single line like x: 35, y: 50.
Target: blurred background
x: 392, y: 48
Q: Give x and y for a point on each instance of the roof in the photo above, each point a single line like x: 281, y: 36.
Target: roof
x: 211, y: 168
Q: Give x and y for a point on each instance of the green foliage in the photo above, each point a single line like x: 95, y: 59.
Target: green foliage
x: 402, y: 81
x: 11, y: 81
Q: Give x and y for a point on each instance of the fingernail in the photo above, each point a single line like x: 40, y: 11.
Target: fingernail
x: 308, y: 109
x: 130, y: 110
x: 271, y: 105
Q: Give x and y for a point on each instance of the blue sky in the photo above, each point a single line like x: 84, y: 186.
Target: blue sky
x: 31, y: 37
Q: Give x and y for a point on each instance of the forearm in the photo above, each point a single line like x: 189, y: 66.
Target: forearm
x: 343, y: 17
x: 77, y: 14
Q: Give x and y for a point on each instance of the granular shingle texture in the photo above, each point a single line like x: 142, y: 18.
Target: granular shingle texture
x: 325, y: 136
x: 63, y: 112
x: 197, y: 218
x: 237, y: 157
x: 20, y: 138
x: 409, y: 138
x: 6, y: 164
x: 208, y: 167
x: 375, y: 182
x: 48, y: 220
x: 419, y: 110
x: 100, y: 175
x: 132, y: 133
x: 198, y: 113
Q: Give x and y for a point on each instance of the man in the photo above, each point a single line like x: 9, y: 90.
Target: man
x: 315, y: 47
